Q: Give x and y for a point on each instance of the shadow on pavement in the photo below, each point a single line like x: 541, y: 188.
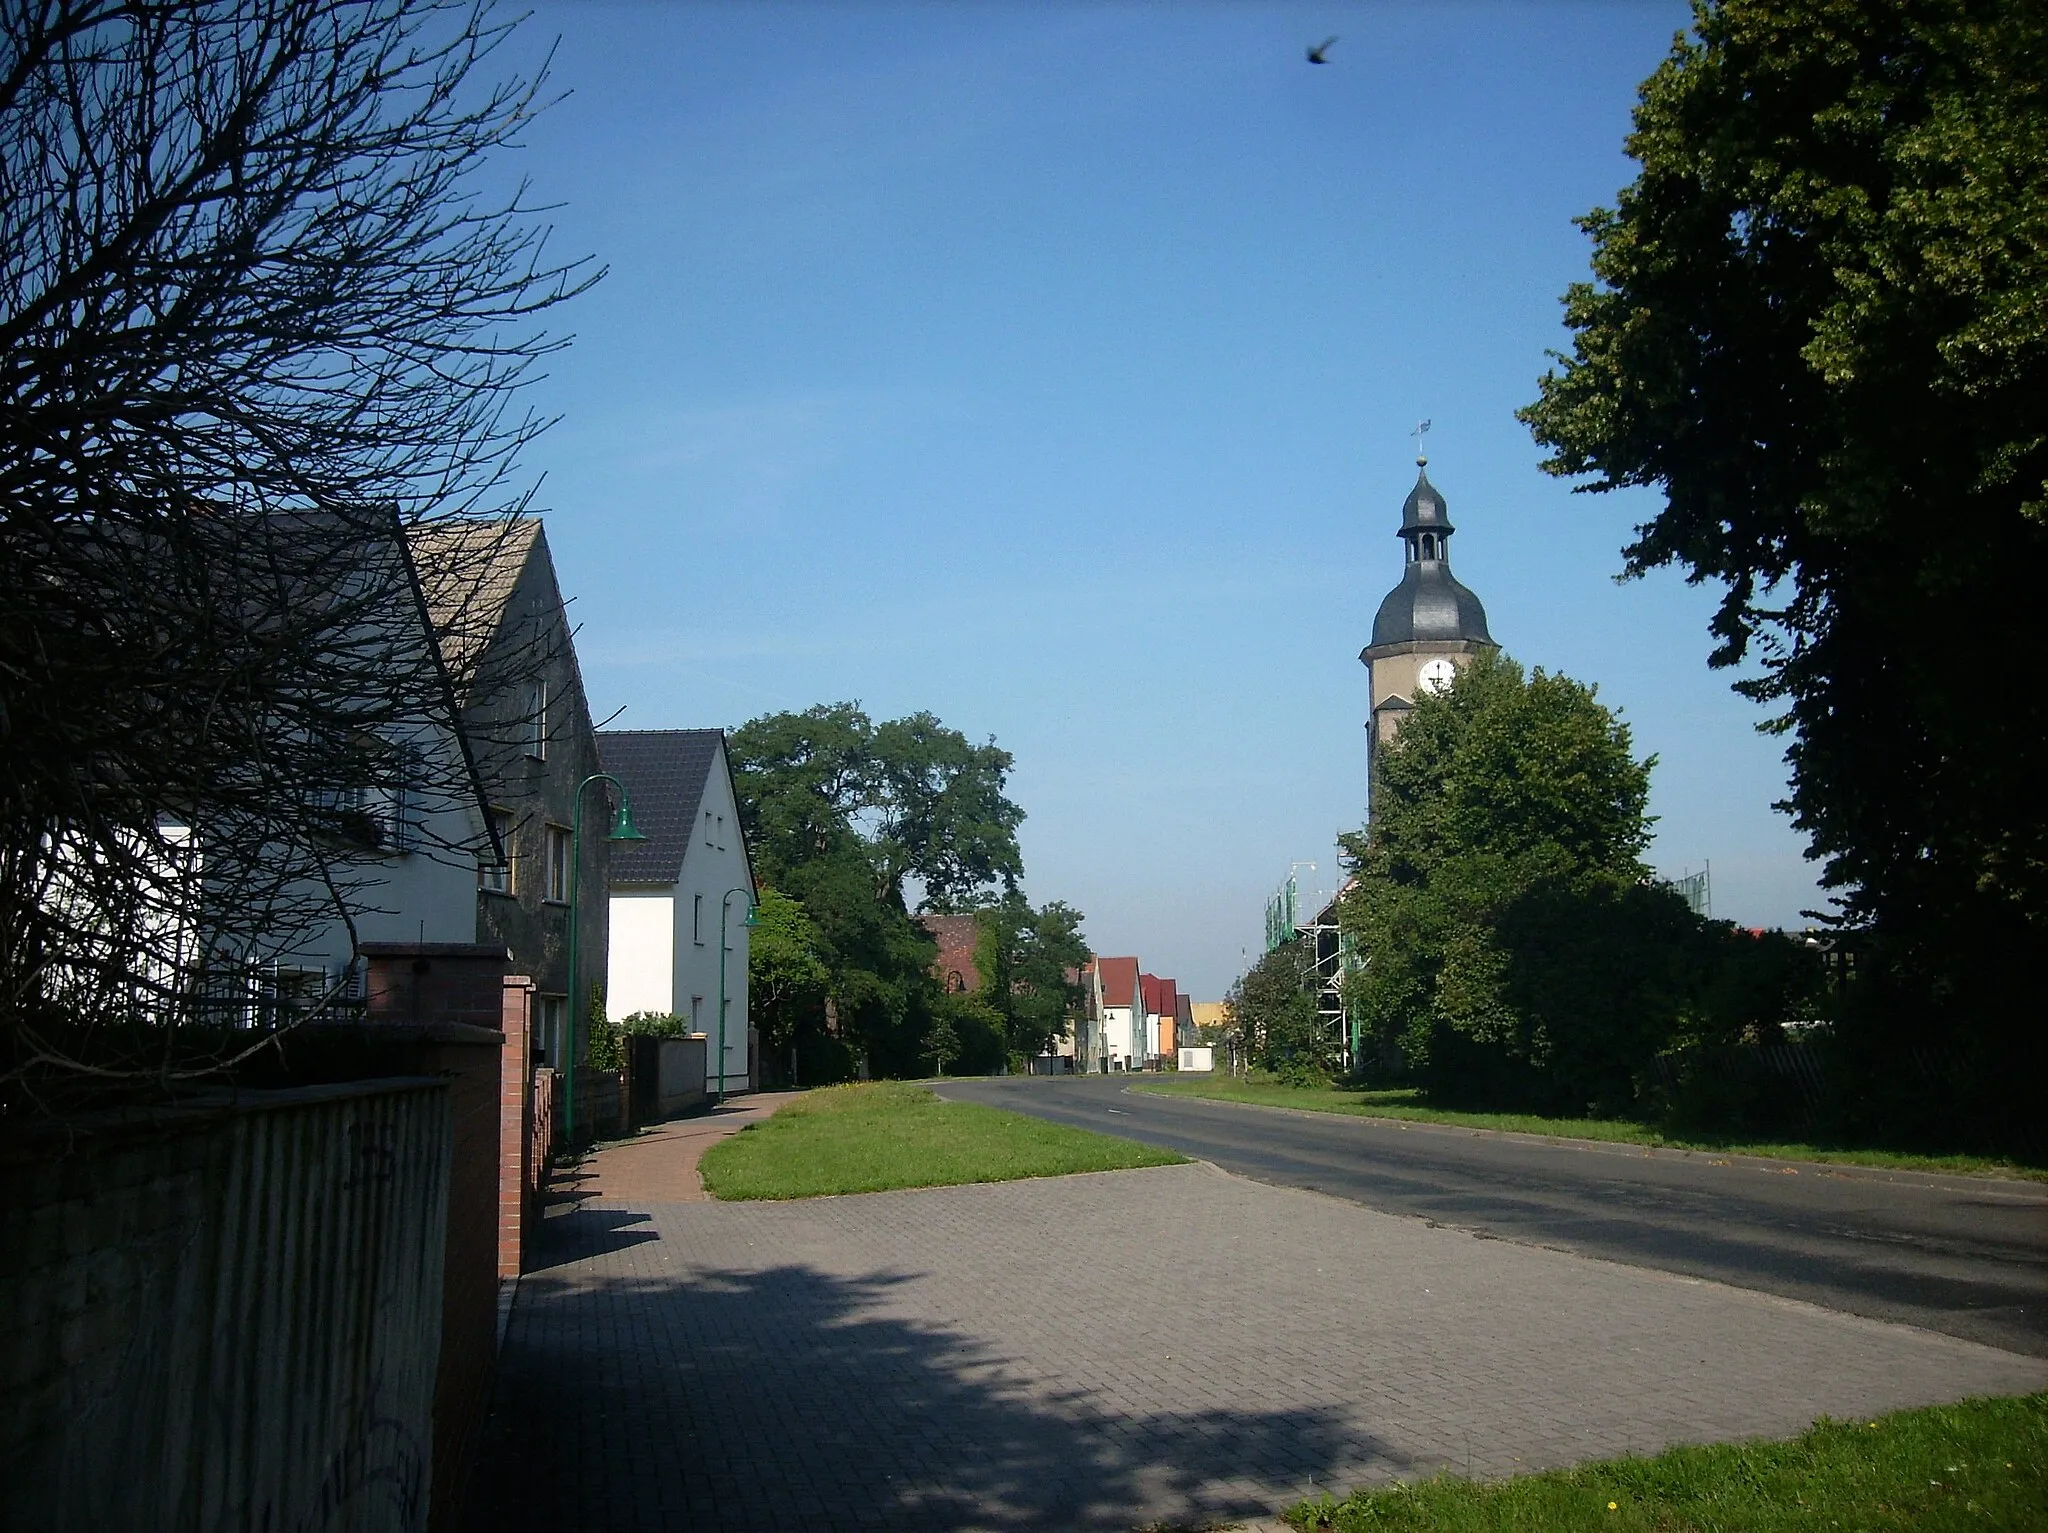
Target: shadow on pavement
x: 784, y: 1398
x: 578, y: 1233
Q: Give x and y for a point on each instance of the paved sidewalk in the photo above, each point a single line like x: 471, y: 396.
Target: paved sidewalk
x: 1111, y: 1350
x: 659, y: 1164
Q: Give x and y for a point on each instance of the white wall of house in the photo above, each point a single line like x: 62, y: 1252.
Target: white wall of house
x: 423, y: 895
x: 641, y: 973
x: 665, y: 938
x: 1123, y: 1029
x: 714, y: 867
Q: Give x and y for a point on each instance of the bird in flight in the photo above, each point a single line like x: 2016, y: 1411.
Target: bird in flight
x: 1320, y: 53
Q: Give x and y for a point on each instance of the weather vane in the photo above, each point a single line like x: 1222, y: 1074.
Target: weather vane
x: 1421, y: 430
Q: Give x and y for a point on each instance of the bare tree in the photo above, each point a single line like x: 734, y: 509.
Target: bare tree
x: 257, y: 323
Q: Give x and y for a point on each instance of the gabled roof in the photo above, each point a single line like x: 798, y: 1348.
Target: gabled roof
x: 1119, y: 980
x: 1162, y: 996
x: 469, y: 568
x: 664, y: 771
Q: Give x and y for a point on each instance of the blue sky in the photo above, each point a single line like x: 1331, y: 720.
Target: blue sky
x: 1052, y: 368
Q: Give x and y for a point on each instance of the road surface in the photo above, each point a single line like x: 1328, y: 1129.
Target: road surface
x: 1962, y: 1255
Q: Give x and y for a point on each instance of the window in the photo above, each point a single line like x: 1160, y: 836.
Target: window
x: 537, y: 722
x: 378, y: 808
x: 550, y: 1029
x: 492, y: 875
x: 697, y: 919
x: 396, y: 801
x: 557, y: 886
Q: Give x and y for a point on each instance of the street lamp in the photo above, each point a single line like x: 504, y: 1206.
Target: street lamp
x: 623, y: 829
x: 724, y: 905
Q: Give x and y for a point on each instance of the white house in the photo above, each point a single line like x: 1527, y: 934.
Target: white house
x: 680, y: 898
x: 1119, y: 1041
x: 413, y: 829
x: 377, y: 827
x: 421, y: 887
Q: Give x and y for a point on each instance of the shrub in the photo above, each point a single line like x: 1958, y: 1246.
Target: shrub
x: 657, y: 1024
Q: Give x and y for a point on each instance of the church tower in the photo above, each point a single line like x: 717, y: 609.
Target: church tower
x: 1427, y: 627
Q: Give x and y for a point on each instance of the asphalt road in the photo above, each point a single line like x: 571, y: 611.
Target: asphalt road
x: 1962, y: 1255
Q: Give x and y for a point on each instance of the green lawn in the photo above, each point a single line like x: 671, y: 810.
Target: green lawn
x: 1407, y: 1104
x: 1980, y: 1465
x: 882, y: 1135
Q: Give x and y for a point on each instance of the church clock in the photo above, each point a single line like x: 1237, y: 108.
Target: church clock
x: 1437, y: 673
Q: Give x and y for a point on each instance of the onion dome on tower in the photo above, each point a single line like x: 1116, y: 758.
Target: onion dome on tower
x: 1428, y: 605
x: 1427, y: 628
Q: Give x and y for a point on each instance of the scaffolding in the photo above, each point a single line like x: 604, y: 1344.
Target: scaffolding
x: 1333, y: 957
x: 1697, y: 890
x: 1329, y: 958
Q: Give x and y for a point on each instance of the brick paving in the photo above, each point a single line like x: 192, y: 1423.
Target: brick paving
x: 659, y: 1164
x: 1113, y: 1350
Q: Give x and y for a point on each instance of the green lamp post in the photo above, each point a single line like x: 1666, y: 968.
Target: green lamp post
x: 623, y: 829
x: 725, y: 905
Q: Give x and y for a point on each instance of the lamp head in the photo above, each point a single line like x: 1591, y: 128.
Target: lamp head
x: 623, y: 828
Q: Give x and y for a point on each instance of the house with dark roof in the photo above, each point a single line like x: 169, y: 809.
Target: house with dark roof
x: 490, y: 588
x: 680, y: 898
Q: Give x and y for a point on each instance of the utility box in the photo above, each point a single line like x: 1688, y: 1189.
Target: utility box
x: 1198, y: 1059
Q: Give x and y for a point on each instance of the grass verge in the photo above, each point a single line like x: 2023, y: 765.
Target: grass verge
x: 882, y: 1135
x: 1407, y: 1104
x: 1979, y: 1465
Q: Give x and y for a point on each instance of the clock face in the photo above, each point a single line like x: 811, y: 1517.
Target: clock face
x: 1438, y: 673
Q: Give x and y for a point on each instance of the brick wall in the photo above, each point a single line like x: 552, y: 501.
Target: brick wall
x: 422, y: 982
x: 438, y: 1008
x: 518, y: 1201
x: 540, y: 1129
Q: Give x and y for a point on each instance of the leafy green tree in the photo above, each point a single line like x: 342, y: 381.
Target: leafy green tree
x: 942, y: 1038
x: 920, y: 801
x: 1270, y: 1013
x: 1817, y: 327
x: 844, y: 816
x: 1025, y: 958
x: 1508, y: 808
x: 786, y: 975
x: 978, y: 1030
x: 878, y: 989
x: 941, y: 815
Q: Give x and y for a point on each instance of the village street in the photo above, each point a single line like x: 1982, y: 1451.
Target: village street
x: 1964, y: 1255
x: 1109, y: 1351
